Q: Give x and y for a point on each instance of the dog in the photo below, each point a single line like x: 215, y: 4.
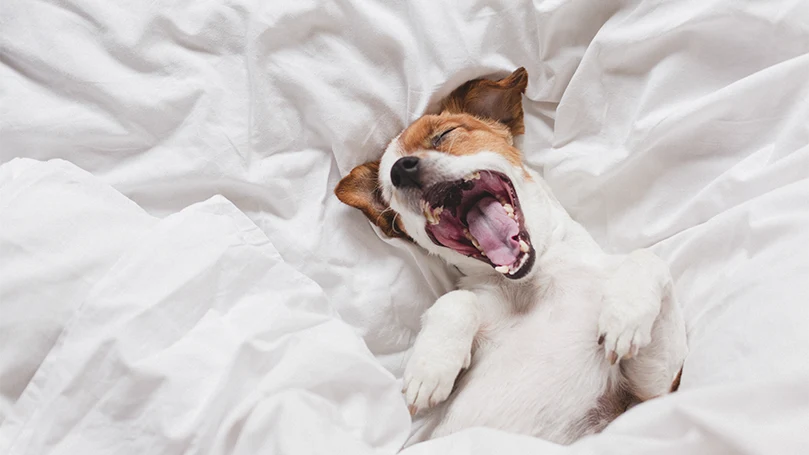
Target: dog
x: 546, y: 335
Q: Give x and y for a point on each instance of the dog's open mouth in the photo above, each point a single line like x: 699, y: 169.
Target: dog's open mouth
x: 479, y: 216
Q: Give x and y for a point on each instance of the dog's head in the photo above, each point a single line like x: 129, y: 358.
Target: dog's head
x: 453, y: 182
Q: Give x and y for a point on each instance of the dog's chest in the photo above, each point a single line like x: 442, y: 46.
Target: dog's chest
x: 551, y: 327
x: 537, y: 367
x: 559, y: 309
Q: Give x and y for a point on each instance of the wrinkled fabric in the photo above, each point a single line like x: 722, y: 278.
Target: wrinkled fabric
x: 680, y: 126
x: 195, y: 336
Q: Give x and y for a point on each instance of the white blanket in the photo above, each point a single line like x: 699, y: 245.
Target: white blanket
x: 131, y: 324
x: 183, y: 335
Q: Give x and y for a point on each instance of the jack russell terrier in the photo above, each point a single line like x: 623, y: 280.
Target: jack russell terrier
x: 547, y: 335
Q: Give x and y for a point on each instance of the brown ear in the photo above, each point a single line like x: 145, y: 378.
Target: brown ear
x: 360, y: 189
x: 496, y: 100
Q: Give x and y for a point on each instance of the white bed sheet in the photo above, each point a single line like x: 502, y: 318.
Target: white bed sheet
x: 680, y: 125
x: 194, y: 336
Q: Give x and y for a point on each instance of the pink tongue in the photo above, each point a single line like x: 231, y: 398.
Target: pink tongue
x: 494, y: 230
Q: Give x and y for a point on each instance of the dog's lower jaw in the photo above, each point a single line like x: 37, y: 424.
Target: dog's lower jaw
x: 471, y: 267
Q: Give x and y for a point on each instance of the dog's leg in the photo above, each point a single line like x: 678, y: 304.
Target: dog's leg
x: 442, y: 349
x: 642, y: 324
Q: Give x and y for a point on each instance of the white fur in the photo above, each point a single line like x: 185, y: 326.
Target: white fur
x: 536, y: 365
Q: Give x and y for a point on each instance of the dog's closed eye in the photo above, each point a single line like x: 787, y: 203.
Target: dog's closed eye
x: 440, y: 138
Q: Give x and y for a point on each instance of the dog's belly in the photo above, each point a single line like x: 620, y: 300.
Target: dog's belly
x: 539, y: 374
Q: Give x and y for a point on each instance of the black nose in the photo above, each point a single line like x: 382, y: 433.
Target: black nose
x: 405, y: 173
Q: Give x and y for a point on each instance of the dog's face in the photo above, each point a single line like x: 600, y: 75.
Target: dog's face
x: 453, y: 182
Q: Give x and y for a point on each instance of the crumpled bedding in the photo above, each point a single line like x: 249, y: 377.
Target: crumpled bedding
x: 187, y: 334
x: 185, y: 281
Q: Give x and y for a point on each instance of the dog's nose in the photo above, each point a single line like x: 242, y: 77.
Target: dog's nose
x: 405, y: 173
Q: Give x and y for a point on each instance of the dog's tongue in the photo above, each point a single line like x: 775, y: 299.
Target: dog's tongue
x: 494, y: 230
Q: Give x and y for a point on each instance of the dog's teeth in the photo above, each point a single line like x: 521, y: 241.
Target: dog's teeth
x: 430, y: 217
x: 509, y: 211
x: 472, y: 176
x: 502, y: 269
x: 474, y: 241
x: 431, y: 214
x: 523, y: 246
x: 519, y: 266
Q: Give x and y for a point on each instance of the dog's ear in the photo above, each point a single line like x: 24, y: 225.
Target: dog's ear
x: 496, y: 100
x: 360, y: 189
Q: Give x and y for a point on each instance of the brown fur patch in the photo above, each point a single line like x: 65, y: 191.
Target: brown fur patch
x: 676, y: 384
x: 469, y: 135
x: 499, y: 100
x: 485, y: 114
x: 615, y: 401
x: 360, y: 189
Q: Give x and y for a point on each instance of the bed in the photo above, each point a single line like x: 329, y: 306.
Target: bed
x: 177, y: 277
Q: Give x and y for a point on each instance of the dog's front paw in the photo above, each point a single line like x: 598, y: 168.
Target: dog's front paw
x: 429, y: 379
x: 624, y: 328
